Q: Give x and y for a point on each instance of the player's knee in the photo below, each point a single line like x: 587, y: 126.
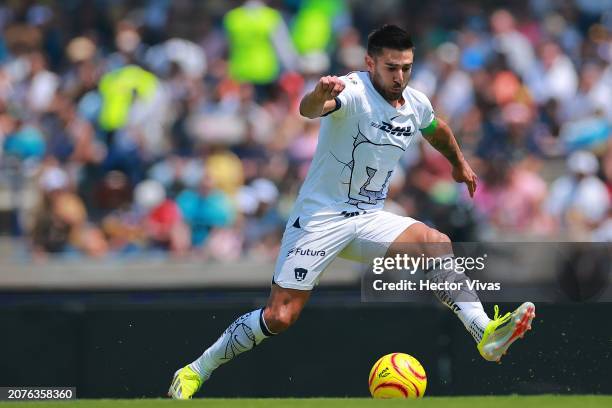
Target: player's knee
x: 443, y: 238
x: 436, y: 243
x: 435, y: 236
x: 281, y: 318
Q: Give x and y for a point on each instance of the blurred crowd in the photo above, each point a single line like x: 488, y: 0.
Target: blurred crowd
x: 170, y: 128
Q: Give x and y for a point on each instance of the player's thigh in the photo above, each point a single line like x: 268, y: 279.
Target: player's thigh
x: 376, y: 233
x: 305, y: 254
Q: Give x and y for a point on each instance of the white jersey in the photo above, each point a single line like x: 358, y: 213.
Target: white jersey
x: 360, y: 143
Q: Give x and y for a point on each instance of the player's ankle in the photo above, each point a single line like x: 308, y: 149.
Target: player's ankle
x: 200, y: 370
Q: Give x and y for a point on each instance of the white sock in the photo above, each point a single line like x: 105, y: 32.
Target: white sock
x: 242, y: 335
x: 465, y: 302
x: 473, y: 313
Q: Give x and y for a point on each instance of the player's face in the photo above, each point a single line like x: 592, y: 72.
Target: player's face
x: 390, y: 72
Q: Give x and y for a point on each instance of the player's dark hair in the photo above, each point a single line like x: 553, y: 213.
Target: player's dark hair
x: 388, y: 36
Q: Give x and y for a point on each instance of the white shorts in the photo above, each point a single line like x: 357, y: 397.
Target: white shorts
x: 306, y: 250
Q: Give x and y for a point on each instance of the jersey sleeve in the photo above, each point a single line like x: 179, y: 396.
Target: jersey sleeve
x: 347, y: 102
x: 426, y: 115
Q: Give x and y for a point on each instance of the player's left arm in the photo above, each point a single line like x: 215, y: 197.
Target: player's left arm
x: 441, y: 137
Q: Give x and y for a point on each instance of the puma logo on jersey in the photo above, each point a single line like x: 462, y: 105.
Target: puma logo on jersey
x: 393, y: 130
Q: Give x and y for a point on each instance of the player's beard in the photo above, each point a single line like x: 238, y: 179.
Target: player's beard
x: 386, y: 92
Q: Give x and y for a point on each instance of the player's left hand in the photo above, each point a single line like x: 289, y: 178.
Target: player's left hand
x: 463, y: 173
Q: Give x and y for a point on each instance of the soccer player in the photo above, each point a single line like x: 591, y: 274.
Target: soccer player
x: 368, y: 120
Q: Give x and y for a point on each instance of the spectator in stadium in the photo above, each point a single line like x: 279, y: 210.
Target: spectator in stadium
x: 259, y: 43
x: 579, y: 200
x: 204, y: 209
x: 61, y: 224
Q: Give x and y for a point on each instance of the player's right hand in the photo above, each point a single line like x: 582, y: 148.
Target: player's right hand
x: 329, y: 87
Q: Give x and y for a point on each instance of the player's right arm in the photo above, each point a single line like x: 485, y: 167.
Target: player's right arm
x: 322, y: 99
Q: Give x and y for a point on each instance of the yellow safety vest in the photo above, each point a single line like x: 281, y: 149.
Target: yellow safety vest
x: 117, y: 89
x: 252, y: 55
x: 312, y: 27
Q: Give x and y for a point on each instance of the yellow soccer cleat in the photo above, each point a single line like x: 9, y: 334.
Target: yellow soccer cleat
x: 501, y: 332
x: 185, y: 383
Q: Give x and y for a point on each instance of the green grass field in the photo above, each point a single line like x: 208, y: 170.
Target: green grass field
x: 541, y: 401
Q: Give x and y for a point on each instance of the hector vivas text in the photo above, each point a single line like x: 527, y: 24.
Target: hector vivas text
x: 412, y: 264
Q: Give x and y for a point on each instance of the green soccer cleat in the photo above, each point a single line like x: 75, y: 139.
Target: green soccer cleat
x: 501, y: 332
x: 185, y: 383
